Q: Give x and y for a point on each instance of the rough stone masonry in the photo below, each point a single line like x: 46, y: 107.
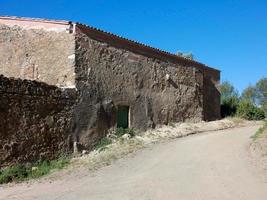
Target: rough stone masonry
x: 110, y: 82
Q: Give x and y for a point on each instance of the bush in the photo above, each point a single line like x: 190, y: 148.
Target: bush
x: 249, y: 111
x: 10, y: 174
x: 101, y: 145
x: 229, y: 106
x: 36, y: 170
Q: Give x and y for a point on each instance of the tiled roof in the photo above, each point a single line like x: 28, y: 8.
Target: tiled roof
x: 155, y: 51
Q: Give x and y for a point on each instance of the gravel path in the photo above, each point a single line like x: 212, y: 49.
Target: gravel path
x: 208, y: 166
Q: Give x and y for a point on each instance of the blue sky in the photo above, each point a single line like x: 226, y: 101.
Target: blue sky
x: 230, y: 35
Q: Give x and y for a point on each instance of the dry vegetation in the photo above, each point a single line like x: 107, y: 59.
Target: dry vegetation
x: 121, y: 143
x: 258, y: 147
x: 126, y: 144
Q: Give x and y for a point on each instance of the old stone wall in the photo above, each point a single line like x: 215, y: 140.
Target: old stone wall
x: 39, y: 120
x: 35, y: 120
x: 211, y: 95
x: 37, y: 54
x: 157, y: 92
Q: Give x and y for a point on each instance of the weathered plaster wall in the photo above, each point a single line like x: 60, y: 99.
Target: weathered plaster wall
x: 35, y: 120
x: 37, y: 54
x: 109, y: 76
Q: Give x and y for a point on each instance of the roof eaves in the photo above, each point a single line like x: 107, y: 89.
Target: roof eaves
x: 136, y: 43
x: 147, y: 46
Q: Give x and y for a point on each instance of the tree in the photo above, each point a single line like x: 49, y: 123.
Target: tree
x: 261, y: 90
x: 229, y: 99
x: 247, y: 110
x: 250, y: 94
x: 185, y: 55
x: 251, y: 105
x: 228, y: 91
x: 229, y: 106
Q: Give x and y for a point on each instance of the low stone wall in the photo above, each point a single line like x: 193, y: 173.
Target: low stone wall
x: 35, y: 120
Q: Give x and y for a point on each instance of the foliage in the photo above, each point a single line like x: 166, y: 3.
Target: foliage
x: 229, y: 106
x: 261, y: 88
x: 249, y: 111
x: 185, y: 55
x: 249, y: 94
x: 36, y: 170
x: 228, y: 92
x: 101, y: 145
x: 257, y: 94
x: 15, y: 173
x: 247, y: 106
x: 119, y: 132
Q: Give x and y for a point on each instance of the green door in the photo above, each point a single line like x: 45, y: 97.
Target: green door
x: 123, y: 117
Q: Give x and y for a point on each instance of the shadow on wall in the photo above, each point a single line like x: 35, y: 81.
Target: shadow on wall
x: 91, y: 122
x: 212, y: 99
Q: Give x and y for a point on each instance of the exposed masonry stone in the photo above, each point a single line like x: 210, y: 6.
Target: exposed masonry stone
x: 35, y: 120
x: 107, y: 77
x: 41, y: 121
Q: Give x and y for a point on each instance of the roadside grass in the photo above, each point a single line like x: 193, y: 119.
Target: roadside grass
x: 118, y: 133
x: 236, y: 120
x: 121, y: 143
x: 115, y: 145
x: 20, y: 173
x: 260, y: 131
x: 103, y: 143
x: 121, y: 131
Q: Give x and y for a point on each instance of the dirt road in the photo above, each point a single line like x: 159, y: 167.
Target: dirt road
x: 209, y: 166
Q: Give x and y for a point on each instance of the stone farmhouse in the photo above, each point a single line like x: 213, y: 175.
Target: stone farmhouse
x: 63, y: 82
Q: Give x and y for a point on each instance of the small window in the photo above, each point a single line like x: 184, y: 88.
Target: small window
x: 123, y: 117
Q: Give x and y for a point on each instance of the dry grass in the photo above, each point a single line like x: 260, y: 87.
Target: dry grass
x: 114, y: 151
x: 126, y: 144
x: 258, y: 149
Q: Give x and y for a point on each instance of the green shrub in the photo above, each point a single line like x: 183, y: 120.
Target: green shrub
x: 36, y: 170
x: 10, y: 174
x: 101, y: 145
x: 249, y: 111
x: 44, y: 167
x: 229, y: 106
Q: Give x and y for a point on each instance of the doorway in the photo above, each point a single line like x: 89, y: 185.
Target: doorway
x: 123, y: 117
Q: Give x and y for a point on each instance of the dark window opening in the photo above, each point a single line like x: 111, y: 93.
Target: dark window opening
x: 123, y: 117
